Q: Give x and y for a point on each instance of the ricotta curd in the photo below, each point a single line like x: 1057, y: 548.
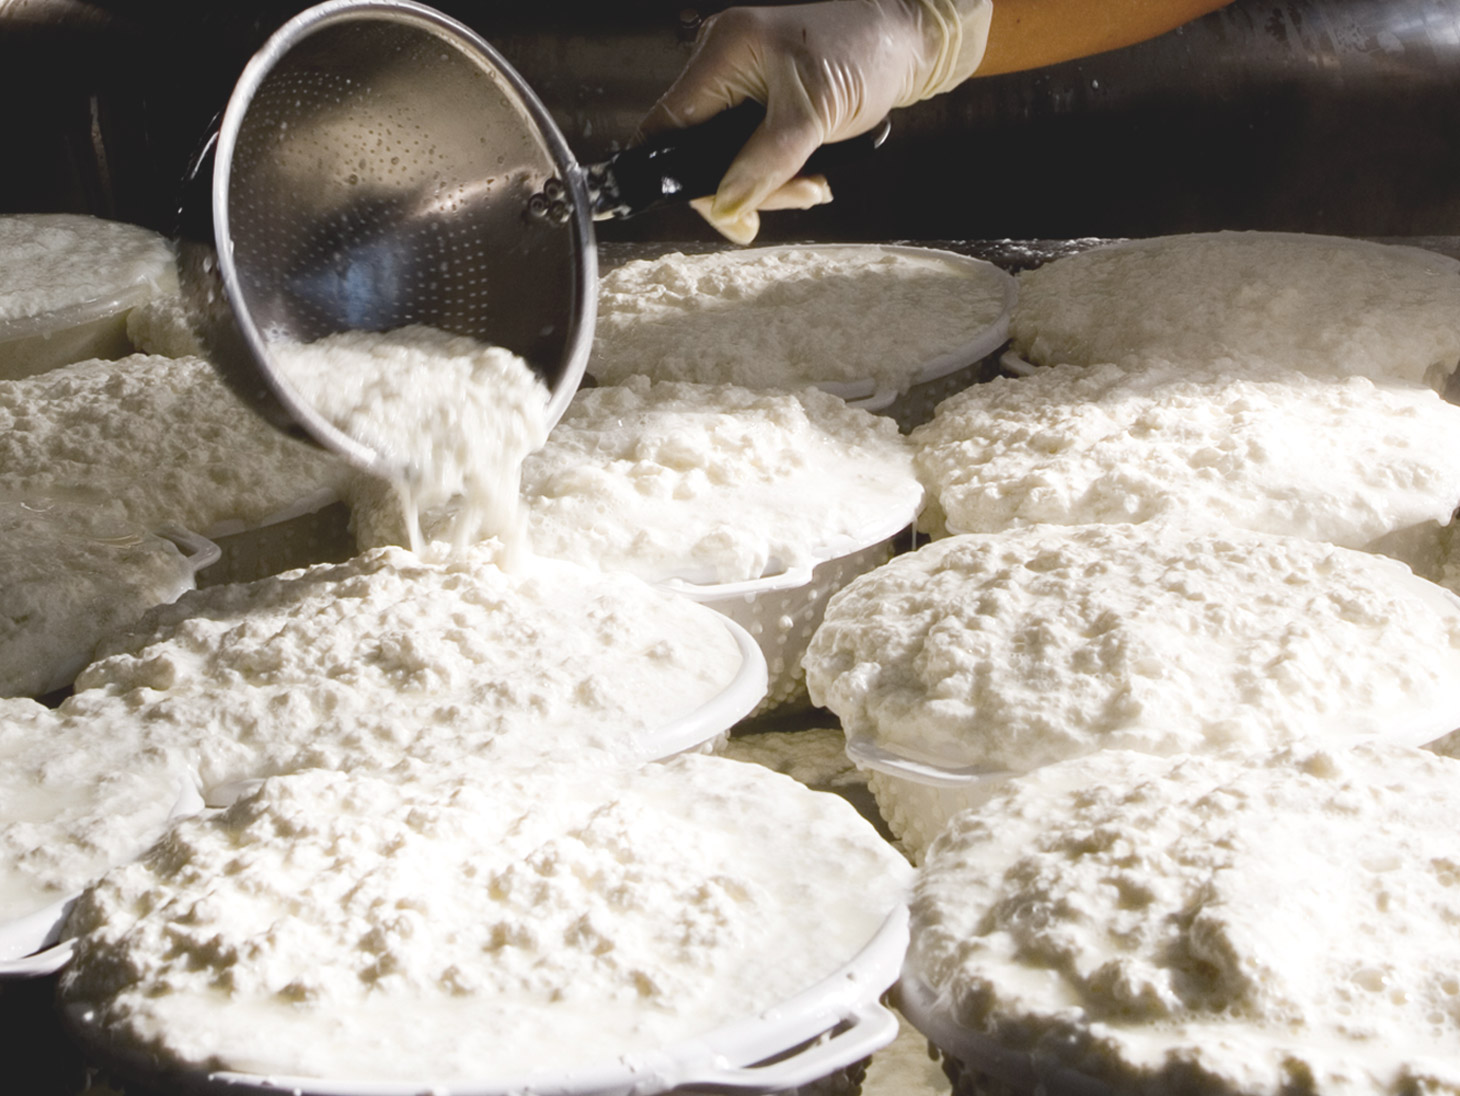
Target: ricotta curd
x: 387, y: 655
x: 450, y: 417
x: 439, y: 929
x: 1342, y: 460
x: 1011, y: 651
x: 1322, y: 304
x: 1232, y: 925
x: 715, y: 483
x: 74, y: 802
x: 789, y: 316
x: 162, y: 438
x: 350, y: 666
x: 710, y: 483
x: 161, y: 326
x: 72, y: 573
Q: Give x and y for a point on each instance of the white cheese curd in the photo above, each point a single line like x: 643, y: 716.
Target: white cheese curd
x: 454, y: 416
x: 71, y: 572
x: 1322, y: 304
x: 789, y: 316
x: 76, y: 799
x: 385, y: 656
x: 475, y: 925
x: 715, y: 483
x: 163, y: 438
x: 67, y: 281
x: 161, y: 326
x: 816, y: 756
x: 1015, y: 650
x: 1341, y: 460
x: 1234, y: 926
x: 349, y: 666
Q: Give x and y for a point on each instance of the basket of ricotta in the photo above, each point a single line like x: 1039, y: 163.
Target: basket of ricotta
x: 76, y: 570
x: 889, y: 328
x: 1325, y: 305
x: 352, y: 667
x: 1235, y: 924
x: 984, y: 655
x: 474, y: 930
x: 758, y: 503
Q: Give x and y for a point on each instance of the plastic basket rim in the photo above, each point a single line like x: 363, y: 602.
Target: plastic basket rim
x: 865, y: 392
x: 1435, y: 259
x: 720, y: 712
x: 856, y: 984
x: 870, y: 536
x: 77, y: 313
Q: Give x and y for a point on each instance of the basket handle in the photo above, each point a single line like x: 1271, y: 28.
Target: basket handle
x: 868, y: 1029
x: 1011, y: 362
x: 787, y: 580
x: 868, y: 755
x: 40, y: 964
x: 198, y: 551
x: 682, y: 164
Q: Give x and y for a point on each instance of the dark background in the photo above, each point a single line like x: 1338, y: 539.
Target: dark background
x: 1316, y: 115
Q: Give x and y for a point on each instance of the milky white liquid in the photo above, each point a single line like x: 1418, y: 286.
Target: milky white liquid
x: 451, y: 418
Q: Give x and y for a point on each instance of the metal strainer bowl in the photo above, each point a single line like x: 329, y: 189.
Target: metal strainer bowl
x: 374, y: 168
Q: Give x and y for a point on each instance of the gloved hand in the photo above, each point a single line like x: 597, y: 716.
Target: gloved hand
x: 825, y: 71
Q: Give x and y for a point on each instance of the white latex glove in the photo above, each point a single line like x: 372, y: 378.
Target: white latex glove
x: 825, y: 71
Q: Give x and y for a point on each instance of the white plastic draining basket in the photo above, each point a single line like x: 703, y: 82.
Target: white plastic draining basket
x: 315, y: 529
x: 28, y: 944
x: 67, y: 285
x: 827, y: 1027
x: 63, y: 336
x: 918, y: 798
x: 41, y: 660
x: 782, y: 611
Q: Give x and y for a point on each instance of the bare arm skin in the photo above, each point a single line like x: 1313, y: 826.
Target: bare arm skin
x: 1027, y: 34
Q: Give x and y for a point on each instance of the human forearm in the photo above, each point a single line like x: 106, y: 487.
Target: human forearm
x: 1026, y: 34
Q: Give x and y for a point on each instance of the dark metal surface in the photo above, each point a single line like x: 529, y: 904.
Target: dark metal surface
x: 1311, y: 115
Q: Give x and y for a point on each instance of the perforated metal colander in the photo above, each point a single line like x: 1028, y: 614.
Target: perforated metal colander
x: 379, y: 165
x: 374, y: 168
